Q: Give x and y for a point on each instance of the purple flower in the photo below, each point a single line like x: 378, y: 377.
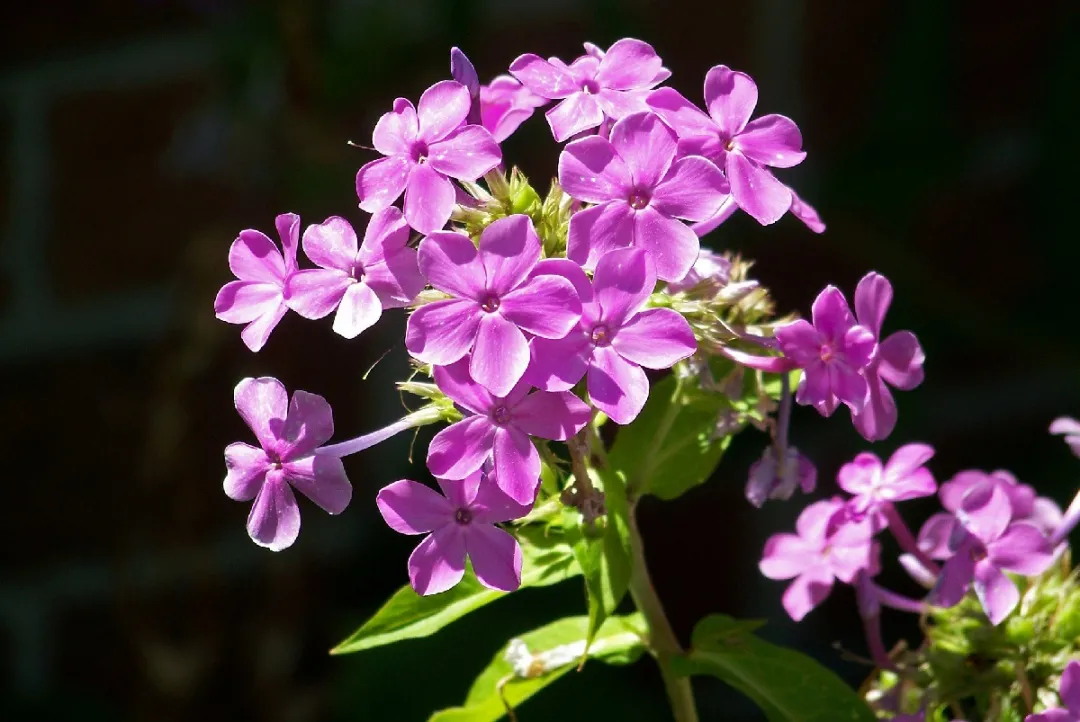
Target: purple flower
x: 1070, y: 428
x: 771, y: 480
x: 459, y: 524
x: 874, y: 485
x: 710, y: 270
x: 615, y: 338
x: 257, y: 298
x: 1069, y: 692
x: 743, y: 147
x: 640, y: 191
x: 463, y: 71
x: 289, y: 435
x: 358, y: 282
x: 826, y: 547
x: 494, y: 301
x: 898, y: 361
x: 592, y: 88
x: 986, y: 543
x: 424, y: 148
x: 499, y: 427
x: 832, y: 352
x: 505, y: 104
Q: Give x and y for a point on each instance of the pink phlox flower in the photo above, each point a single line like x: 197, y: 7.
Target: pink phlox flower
x: 495, y: 301
x: 769, y: 479
x: 933, y: 541
x: 499, y: 427
x: 874, y: 484
x: 827, y: 546
x: 1025, y: 503
x: 357, y: 281
x: 640, y: 191
x: 710, y: 271
x: 505, y: 104
x: 615, y: 337
x: 898, y: 361
x: 289, y: 434
x: 424, y: 148
x: 1070, y: 429
x: 1069, y: 693
x: 257, y: 299
x: 459, y: 523
x: 985, y: 543
x: 592, y: 88
x: 744, y: 148
x: 832, y: 353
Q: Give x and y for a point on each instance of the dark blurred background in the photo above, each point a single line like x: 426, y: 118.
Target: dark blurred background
x: 139, y: 137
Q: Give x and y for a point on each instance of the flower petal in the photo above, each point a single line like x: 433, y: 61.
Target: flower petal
x: 786, y: 556
x: 629, y: 64
x: 831, y: 314
x: 381, y: 182
x: 617, y: 387
x: 673, y: 246
x: 254, y: 257
x: 998, y: 595
x: 873, y: 296
x: 756, y: 190
x: 877, y: 419
x: 442, y: 108
x: 800, y: 341
x: 358, y: 311
x: 772, y: 140
x: 546, y: 306
x: 556, y: 416
x: 451, y: 264
x: 573, y: 273
x: 695, y: 190
x: 623, y: 282
x: 804, y: 593
x: 465, y: 154
x: 558, y: 364
x: 907, y: 459
x: 321, y: 479
x: 860, y: 475
x: 682, y: 116
x: 596, y: 231
x: 461, y: 448
x: 274, y: 521
x: 245, y: 301
x: 308, y: 425
x: 509, y: 249
x: 1022, y: 549
x: 440, y: 333
x: 731, y: 97
x: 288, y: 228
x: 396, y: 280
x: 901, y: 360
x: 409, y: 507
x: 438, y: 562
x: 246, y: 468
x: 429, y: 199
x: 495, y: 555
x: 492, y: 505
x: 656, y: 339
x: 954, y: 580
x: 934, y: 535
x: 517, y: 465
x: 386, y: 233
x: 315, y: 292
x: 454, y: 381
x: 331, y: 244
x: 617, y: 104
x: 985, y: 511
x: 256, y: 333
x: 571, y: 116
x: 395, y: 131
x: 592, y: 172
x: 848, y: 386
x: 806, y: 213
x: 1069, y: 689
x: 543, y: 78
x: 263, y: 404
x: 646, y: 145
x: 500, y: 355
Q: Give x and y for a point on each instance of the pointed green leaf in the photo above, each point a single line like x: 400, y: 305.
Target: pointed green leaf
x: 787, y: 685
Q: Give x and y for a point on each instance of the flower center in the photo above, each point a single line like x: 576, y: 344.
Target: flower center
x: 729, y: 145
x: 490, y: 304
x: 601, y: 336
x: 639, y: 199
x: 463, y: 516
x: 978, y: 553
x: 501, y: 415
x: 590, y: 87
x: 419, y: 151
x: 275, y: 461
x: 826, y: 352
x: 357, y: 271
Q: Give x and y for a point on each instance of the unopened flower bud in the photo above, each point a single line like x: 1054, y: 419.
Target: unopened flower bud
x: 773, y: 478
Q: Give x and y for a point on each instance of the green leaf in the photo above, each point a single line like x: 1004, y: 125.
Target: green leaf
x: 669, y: 447
x: 546, y: 560
x: 787, y: 685
x: 543, y: 656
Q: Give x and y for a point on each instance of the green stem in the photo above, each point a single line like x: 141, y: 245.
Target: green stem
x: 662, y: 640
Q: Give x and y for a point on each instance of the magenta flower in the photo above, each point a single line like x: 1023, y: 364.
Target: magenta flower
x: 1069, y: 692
x: 494, y: 301
x: 592, y: 88
x: 898, y: 361
x: 985, y: 544
x: 640, y: 192
x: 499, y: 427
x: 875, y: 485
x: 615, y: 338
x: 289, y: 435
x: 710, y: 270
x: 744, y: 148
x: 257, y: 298
x: 1070, y: 429
x: 459, y: 524
x: 424, y: 148
x: 1021, y: 496
x: 827, y: 546
x: 505, y: 104
x: 463, y: 71
x: 769, y: 479
x: 358, y: 282
x: 832, y: 353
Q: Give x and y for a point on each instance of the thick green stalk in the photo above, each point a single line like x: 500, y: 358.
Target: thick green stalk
x: 662, y: 640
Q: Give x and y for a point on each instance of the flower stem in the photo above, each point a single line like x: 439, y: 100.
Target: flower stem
x: 662, y: 641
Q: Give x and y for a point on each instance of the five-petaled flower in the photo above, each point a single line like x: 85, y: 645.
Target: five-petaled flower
x: 592, y: 88
x: 459, y: 524
x: 832, y: 352
x: 640, y: 191
x: 358, y: 282
x: 874, y: 485
x: 615, y: 338
x: 499, y: 427
x: 257, y: 299
x: 289, y: 433
x: 495, y: 301
x: 1069, y: 693
x: 424, y: 148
